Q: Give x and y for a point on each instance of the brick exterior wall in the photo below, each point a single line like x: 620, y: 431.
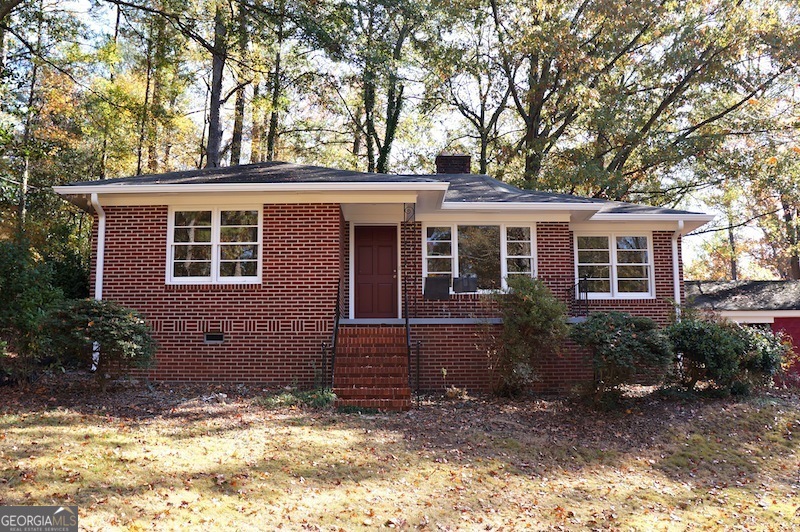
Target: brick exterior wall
x: 274, y: 330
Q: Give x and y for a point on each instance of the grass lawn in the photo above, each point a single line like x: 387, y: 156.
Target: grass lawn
x: 162, y: 457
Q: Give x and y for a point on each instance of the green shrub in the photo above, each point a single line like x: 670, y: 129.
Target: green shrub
x: 707, y: 350
x: 124, y: 338
x: 765, y: 356
x: 26, y: 293
x: 621, y: 344
x: 534, y: 324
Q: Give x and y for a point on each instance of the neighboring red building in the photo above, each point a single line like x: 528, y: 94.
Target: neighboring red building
x: 244, y: 271
x: 775, y: 304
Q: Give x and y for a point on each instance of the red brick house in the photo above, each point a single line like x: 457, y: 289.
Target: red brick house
x: 246, y: 272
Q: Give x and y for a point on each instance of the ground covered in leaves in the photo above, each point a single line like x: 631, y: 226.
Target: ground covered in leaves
x: 160, y: 456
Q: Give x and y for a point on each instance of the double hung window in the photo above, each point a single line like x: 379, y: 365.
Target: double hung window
x: 214, y: 246
x: 616, y: 265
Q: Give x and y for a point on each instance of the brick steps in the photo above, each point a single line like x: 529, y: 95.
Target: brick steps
x: 372, y: 368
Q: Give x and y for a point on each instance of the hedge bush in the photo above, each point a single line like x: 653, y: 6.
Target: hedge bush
x: 534, y: 324
x: 621, y: 345
x: 124, y: 338
x: 26, y: 292
x: 707, y: 350
x: 732, y: 357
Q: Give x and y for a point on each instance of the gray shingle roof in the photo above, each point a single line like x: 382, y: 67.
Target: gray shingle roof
x: 463, y: 188
x: 268, y: 172
x: 472, y: 188
x: 743, y: 295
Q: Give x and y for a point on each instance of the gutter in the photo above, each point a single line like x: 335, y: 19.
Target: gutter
x: 676, y: 270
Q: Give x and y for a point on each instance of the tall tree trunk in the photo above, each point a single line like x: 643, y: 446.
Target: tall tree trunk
x: 238, y: 117
x: 483, y: 162
x: 358, y: 128
x: 143, y: 117
x: 272, y: 132
x: 790, y: 219
x: 369, y: 118
x: 205, y: 127
x: 255, y: 135
x: 214, y: 146
x: 27, y: 133
x: 734, y: 257
x: 106, y: 125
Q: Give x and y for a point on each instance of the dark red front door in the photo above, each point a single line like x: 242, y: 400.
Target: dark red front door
x: 376, y: 271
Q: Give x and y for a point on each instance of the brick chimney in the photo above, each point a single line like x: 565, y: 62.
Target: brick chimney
x: 453, y: 163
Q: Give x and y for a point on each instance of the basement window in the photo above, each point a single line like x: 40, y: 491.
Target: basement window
x: 214, y: 338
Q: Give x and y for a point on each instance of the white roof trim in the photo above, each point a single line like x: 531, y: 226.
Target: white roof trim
x: 631, y: 217
x: 518, y: 205
x: 737, y: 315
x: 247, y: 187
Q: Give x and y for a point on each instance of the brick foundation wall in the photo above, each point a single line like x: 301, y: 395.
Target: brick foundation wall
x: 273, y: 330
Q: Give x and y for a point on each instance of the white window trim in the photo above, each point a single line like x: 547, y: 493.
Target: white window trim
x: 612, y: 242
x: 214, y: 278
x: 503, y: 250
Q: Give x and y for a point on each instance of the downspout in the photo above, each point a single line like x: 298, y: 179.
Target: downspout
x: 101, y: 247
x: 676, y: 270
x: 99, y: 266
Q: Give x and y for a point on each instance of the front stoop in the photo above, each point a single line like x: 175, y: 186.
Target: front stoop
x: 371, y: 369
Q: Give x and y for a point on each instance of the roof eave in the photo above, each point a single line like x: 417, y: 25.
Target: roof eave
x: 72, y: 190
x: 518, y: 206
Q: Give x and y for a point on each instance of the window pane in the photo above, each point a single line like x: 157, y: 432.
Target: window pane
x: 593, y: 257
x: 594, y: 272
x: 592, y: 242
x: 239, y: 252
x: 631, y: 242
x: 518, y: 265
x: 632, y: 257
x: 518, y: 249
x: 630, y: 285
x: 239, y: 218
x: 601, y: 286
x: 191, y: 269
x: 479, y: 254
x: 518, y: 233
x: 239, y: 234
x: 192, y: 218
x: 192, y: 235
x: 440, y: 266
x: 192, y: 252
x: 440, y: 248
x: 632, y: 272
x: 238, y: 269
x: 439, y: 233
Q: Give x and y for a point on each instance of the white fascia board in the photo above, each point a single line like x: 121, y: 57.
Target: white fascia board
x: 517, y: 206
x: 624, y: 217
x: 248, y: 187
x: 473, y: 217
x: 757, y: 316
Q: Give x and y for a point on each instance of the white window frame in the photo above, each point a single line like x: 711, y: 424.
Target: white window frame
x: 612, y: 243
x: 216, y: 215
x: 503, y: 250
